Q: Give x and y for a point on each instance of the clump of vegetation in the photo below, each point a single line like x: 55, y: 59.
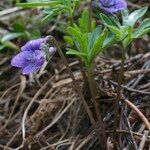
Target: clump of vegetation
x: 100, y: 112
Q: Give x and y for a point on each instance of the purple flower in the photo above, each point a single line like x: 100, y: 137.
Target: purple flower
x: 112, y: 6
x: 52, y: 50
x: 32, y: 56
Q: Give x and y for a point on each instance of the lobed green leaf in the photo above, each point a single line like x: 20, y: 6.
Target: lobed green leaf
x: 98, y: 45
x: 142, y: 29
x: 134, y: 16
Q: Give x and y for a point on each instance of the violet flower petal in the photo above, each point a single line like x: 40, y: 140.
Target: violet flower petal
x: 20, y: 60
x: 52, y: 50
x: 38, y: 55
x: 112, y: 6
x: 30, y: 68
x: 31, y: 58
x: 35, y: 63
x: 33, y: 44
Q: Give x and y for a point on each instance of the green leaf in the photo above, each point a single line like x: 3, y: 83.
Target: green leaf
x: 76, y: 27
x: 11, y: 36
x: 2, y: 47
x: 84, y: 21
x: 145, y: 31
x: 18, y: 27
x: 38, y: 4
x: 127, y: 40
x: 35, y: 34
x: 84, y: 42
x: 110, y: 40
x: 134, y: 16
x: 120, y: 33
x: 115, y: 20
x: 115, y: 30
x: 109, y: 20
x: 93, y: 24
x: 93, y: 36
x: 125, y: 15
x: 68, y: 40
x: 52, y: 13
x: 75, y: 52
x: 76, y: 36
x: 10, y: 45
x: 142, y: 29
x: 98, y: 45
x: 48, y: 10
x: 106, y: 20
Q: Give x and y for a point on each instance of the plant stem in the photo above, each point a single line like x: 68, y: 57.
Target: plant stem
x: 73, y: 79
x: 80, y: 61
x: 77, y: 88
x: 71, y: 19
x: 82, y: 70
x: 120, y: 79
x: 92, y: 88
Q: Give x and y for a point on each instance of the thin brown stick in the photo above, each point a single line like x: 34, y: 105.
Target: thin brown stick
x: 58, y: 116
x: 21, y: 89
x: 139, y: 71
x: 93, y: 133
x: 144, y: 138
x: 139, y: 113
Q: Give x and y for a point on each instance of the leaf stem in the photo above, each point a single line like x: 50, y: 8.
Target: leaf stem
x: 92, y: 88
x: 77, y: 88
x: 80, y: 61
x: 119, y: 88
x: 81, y: 65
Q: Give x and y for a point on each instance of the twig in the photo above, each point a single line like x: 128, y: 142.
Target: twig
x: 139, y: 113
x: 92, y: 135
x: 29, y: 106
x: 27, y: 109
x: 144, y: 138
x: 3, y: 147
x: 21, y: 89
x: 57, y: 118
x: 131, y: 133
x: 10, y: 11
x: 9, y: 89
x: 128, y: 88
x: 134, y: 72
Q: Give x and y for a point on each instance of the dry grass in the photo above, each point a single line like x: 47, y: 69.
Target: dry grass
x: 43, y: 111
